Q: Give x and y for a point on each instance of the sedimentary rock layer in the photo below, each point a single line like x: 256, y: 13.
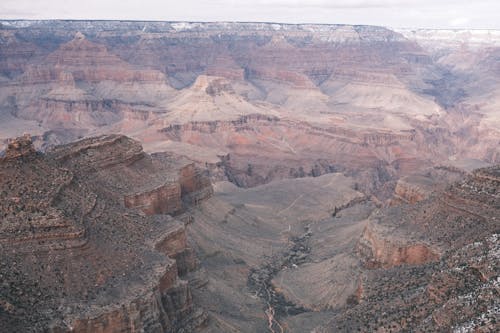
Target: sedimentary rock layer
x: 74, y: 258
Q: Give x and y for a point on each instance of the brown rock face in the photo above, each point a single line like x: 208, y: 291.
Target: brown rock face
x: 417, y: 187
x: 445, y: 246
x: 342, y: 146
x: 66, y: 231
x: 409, y: 193
x: 165, y: 199
x: 379, y: 250
x: 175, y: 245
x: 195, y: 186
x: 22, y: 146
x: 362, y: 99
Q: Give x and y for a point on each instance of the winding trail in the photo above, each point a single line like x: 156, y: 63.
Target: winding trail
x: 260, y: 280
x: 291, y: 205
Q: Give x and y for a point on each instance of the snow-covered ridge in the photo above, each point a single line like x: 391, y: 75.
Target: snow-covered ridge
x: 458, y: 37
x: 186, y: 26
x: 433, y: 38
x: 329, y: 33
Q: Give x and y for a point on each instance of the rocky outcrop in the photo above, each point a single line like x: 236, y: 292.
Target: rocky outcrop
x: 164, y: 307
x: 75, y: 259
x: 458, y: 293
x: 378, y: 249
x: 417, y: 235
x: 165, y: 199
x: 28, y: 213
x: 216, y: 87
x: 153, y: 188
x: 417, y: 187
x: 99, y: 153
x: 410, y: 192
x: 21, y: 146
x: 174, y: 244
x: 430, y: 263
x: 190, y: 188
x: 195, y: 186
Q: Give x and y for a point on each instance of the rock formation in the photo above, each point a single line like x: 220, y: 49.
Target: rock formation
x: 400, y: 103
x: 22, y: 146
x: 343, y: 158
x: 194, y: 185
x: 444, y: 271
x: 161, y: 200
x: 75, y: 258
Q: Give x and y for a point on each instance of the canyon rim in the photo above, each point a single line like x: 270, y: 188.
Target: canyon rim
x: 248, y: 177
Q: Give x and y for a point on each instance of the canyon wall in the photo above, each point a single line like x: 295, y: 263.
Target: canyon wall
x: 195, y: 186
x: 381, y: 249
x: 261, y: 93
x: 278, y: 110
x: 114, y: 268
x: 429, y: 263
x: 162, y: 200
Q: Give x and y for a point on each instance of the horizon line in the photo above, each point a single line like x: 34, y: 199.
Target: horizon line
x: 240, y: 22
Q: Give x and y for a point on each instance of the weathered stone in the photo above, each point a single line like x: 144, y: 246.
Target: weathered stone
x: 76, y: 257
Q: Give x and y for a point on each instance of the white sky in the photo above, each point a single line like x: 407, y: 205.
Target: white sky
x: 477, y: 14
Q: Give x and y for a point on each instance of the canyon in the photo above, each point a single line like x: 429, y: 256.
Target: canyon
x: 248, y: 177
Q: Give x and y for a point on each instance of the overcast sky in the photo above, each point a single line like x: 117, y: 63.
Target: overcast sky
x: 477, y: 14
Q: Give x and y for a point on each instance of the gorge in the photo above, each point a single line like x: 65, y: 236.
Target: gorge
x: 248, y: 177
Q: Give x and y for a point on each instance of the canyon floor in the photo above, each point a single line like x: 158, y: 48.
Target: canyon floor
x: 247, y: 177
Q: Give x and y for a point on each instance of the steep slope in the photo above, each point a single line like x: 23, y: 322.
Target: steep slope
x: 340, y: 90
x: 81, y: 86
x: 333, y: 149
x: 248, y: 243
x: 440, y: 260
x: 315, y: 255
x: 78, y: 255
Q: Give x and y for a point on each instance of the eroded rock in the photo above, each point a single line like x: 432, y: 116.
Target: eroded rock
x: 74, y: 258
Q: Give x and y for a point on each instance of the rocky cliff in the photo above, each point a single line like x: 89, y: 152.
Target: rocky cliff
x: 393, y: 101
x: 440, y: 263
x: 417, y: 187
x: 76, y: 257
x: 161, y: 200
x: 195, y: 186
x: 382, y: 249
x: 341, y: 144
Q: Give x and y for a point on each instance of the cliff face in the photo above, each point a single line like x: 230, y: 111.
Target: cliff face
x: 410, y: 193
x: 417, y: 187
x: 258, y: 104
x: 380, y: 250
x: 430, y: 264
x: 309, y: 150
x: 195, y: 186
x: 162, y: 200
x: 154, y: 187
x: 258, y: 92
x: 19, y: 147
x: 82, y: 60
x: 71, y: 239
x: 175, y: 245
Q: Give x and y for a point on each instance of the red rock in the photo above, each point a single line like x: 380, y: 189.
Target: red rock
x: 93, y: 264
